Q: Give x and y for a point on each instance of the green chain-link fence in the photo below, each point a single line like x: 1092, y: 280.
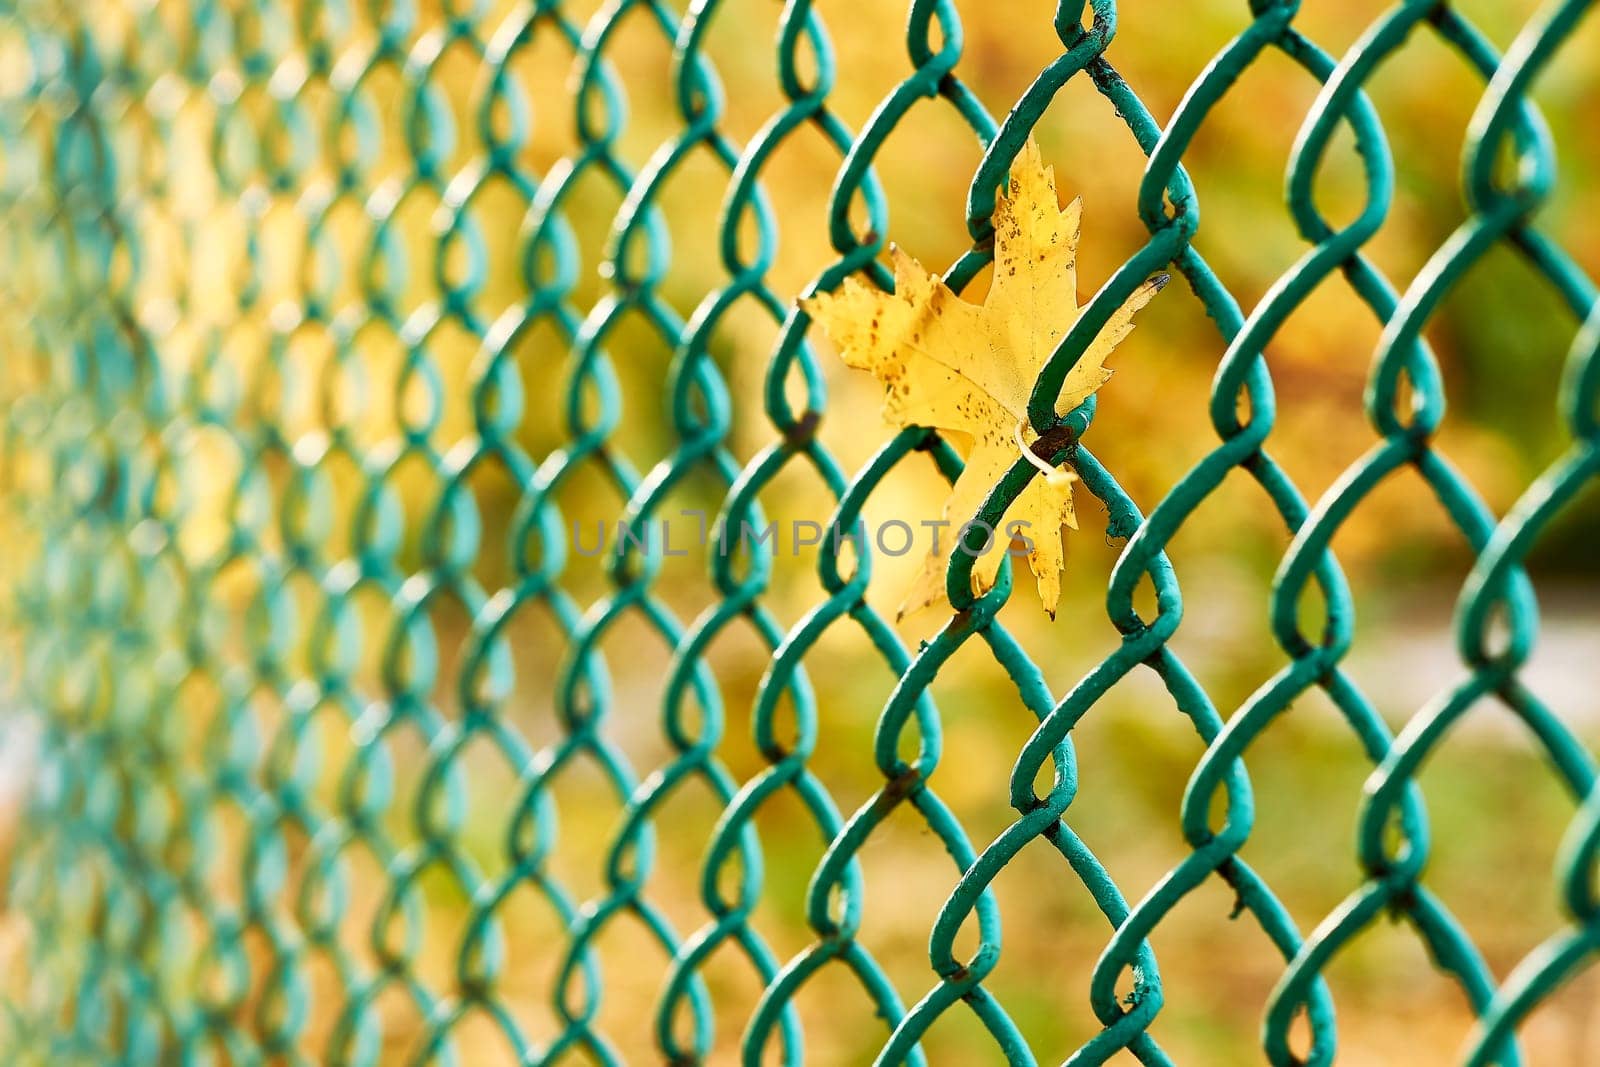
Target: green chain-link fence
x: 327, y: 324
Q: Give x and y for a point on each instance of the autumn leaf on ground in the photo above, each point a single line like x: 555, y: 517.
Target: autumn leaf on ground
x: 967, y: 369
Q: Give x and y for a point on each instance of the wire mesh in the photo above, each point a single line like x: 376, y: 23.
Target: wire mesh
x: 323, y: 352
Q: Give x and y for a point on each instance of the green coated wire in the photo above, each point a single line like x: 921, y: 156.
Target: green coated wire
x: 181, y: 741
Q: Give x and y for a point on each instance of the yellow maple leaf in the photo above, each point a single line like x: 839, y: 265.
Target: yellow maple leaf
x: 967, y: 369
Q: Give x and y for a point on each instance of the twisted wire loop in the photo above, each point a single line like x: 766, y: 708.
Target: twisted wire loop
x: 331, y: 322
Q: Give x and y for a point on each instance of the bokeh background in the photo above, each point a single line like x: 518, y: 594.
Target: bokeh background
x: 257, y: 272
